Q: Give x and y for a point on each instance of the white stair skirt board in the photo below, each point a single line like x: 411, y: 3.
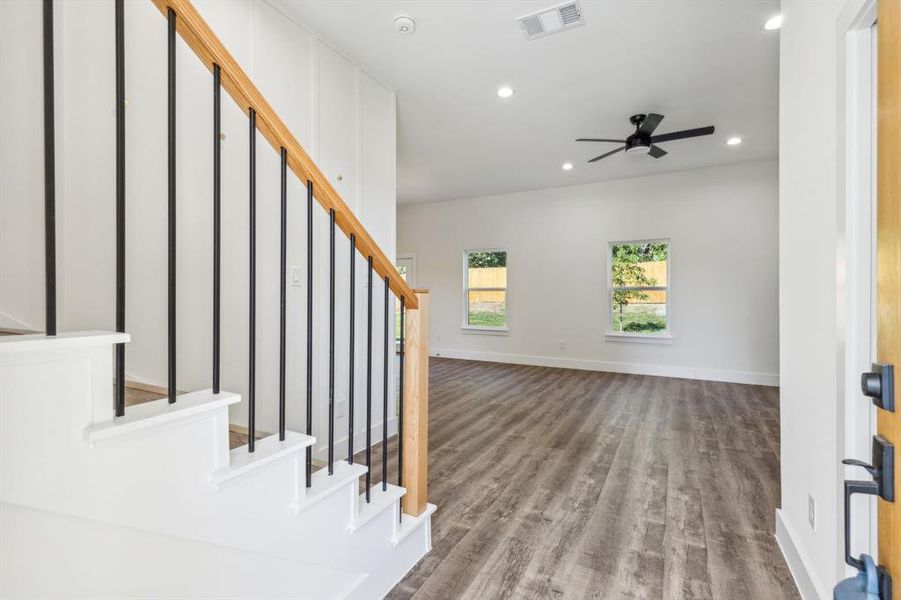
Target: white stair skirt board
x: 167, y: 469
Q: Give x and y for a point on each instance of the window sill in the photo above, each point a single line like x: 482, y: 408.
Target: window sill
x: 468, y: 329
x: 638, y: 338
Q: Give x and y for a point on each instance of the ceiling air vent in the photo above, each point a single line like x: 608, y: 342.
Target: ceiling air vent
x: 551, y: 20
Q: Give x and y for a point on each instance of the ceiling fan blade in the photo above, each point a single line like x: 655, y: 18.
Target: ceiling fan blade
x: 601, y: 140
x: 681, y: 135
x: 657, y: 151
x: 650, y: 123
x: 596, y: 158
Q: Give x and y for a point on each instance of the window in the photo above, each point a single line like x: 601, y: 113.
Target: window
x: 406, y: 267
x: 639, y: 288
x: 485, y: 289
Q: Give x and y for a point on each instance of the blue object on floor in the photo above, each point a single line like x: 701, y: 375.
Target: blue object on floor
x: 863, y: 586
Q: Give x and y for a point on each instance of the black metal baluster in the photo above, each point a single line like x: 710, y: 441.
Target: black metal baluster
x: 171, y: 170
x: 283, y: 293
x: 309, y: 465
x: 217, y: 221
x: 331, y: 344
x: 385, y: 397
x: 369, y: 379
x: 49, y: 174
x: 120, y: 205
x: 350, y: 367
x: 251, y: 377
x: 400, y: 402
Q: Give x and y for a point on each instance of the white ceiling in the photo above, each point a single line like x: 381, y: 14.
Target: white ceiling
x: 698, y: 62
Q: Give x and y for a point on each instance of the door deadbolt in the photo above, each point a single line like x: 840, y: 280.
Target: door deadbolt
x: 879, y: 384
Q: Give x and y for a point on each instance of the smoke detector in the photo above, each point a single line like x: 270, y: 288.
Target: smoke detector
x: 551, y: 20
x: 404, y: 25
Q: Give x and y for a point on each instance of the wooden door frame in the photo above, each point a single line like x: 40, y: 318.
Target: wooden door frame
x: 855, y: 256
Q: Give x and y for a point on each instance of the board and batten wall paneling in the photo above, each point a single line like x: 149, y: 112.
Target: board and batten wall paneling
x: 356, y: 142
x: 722, y: 226
x: 314, y: 89
x: 378, y: 210
x: 283, y: 70
x: 337, y: 90
x: 21, y: 161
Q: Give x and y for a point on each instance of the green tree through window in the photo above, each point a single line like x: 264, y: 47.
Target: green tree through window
x: 484, y: 260
x: 638, y: 299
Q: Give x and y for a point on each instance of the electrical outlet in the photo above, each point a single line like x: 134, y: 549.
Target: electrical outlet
x: 562, y: 345
x: 811, y: 512
x: 340, y: 408
x: 296, y: 276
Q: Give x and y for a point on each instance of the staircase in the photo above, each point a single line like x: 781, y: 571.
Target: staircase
x: 89, y: 489
x: 166, y: 468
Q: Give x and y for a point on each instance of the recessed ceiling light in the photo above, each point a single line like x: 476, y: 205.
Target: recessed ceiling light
x: 505, y: 91
x: 773, y: 23
x: 567, y: 166
x: 733, y: 141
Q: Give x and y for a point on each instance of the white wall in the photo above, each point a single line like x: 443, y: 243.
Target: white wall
x: 21, y: 184
x: 811, y: 345
x: 342, y: 117
x: 722, y: 226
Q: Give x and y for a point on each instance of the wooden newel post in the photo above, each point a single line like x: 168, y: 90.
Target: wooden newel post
x: 416, y: 406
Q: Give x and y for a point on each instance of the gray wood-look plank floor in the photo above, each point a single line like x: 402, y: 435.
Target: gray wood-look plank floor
x: 554, y: 483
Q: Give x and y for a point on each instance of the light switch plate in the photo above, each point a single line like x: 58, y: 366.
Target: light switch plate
x: 296, y: 276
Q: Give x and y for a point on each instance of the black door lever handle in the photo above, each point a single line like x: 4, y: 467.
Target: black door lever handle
x: 853, y: 462
x: 882, y: 469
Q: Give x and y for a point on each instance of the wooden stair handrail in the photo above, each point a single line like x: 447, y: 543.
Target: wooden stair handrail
x: 210, y: 50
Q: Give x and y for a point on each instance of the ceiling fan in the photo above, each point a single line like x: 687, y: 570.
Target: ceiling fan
x: 643, y: 142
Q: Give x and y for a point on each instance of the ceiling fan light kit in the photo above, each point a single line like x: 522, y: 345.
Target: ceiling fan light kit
x: 643, y: 141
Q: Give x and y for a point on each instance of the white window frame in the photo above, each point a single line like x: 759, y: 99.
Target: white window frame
x: 665, y: 336
x: 466, y: 327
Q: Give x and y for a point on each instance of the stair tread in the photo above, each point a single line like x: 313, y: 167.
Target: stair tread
x: 159, y: 412
x: 266, y: 451
x: 322, y: 484
x: 379, y: 500
x: 11, y: 344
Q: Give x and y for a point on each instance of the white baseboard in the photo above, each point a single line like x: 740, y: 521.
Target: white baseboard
x: 11, y: 323
x: 797, y: 562
x: 770, y: 379
x: 320, y: 450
